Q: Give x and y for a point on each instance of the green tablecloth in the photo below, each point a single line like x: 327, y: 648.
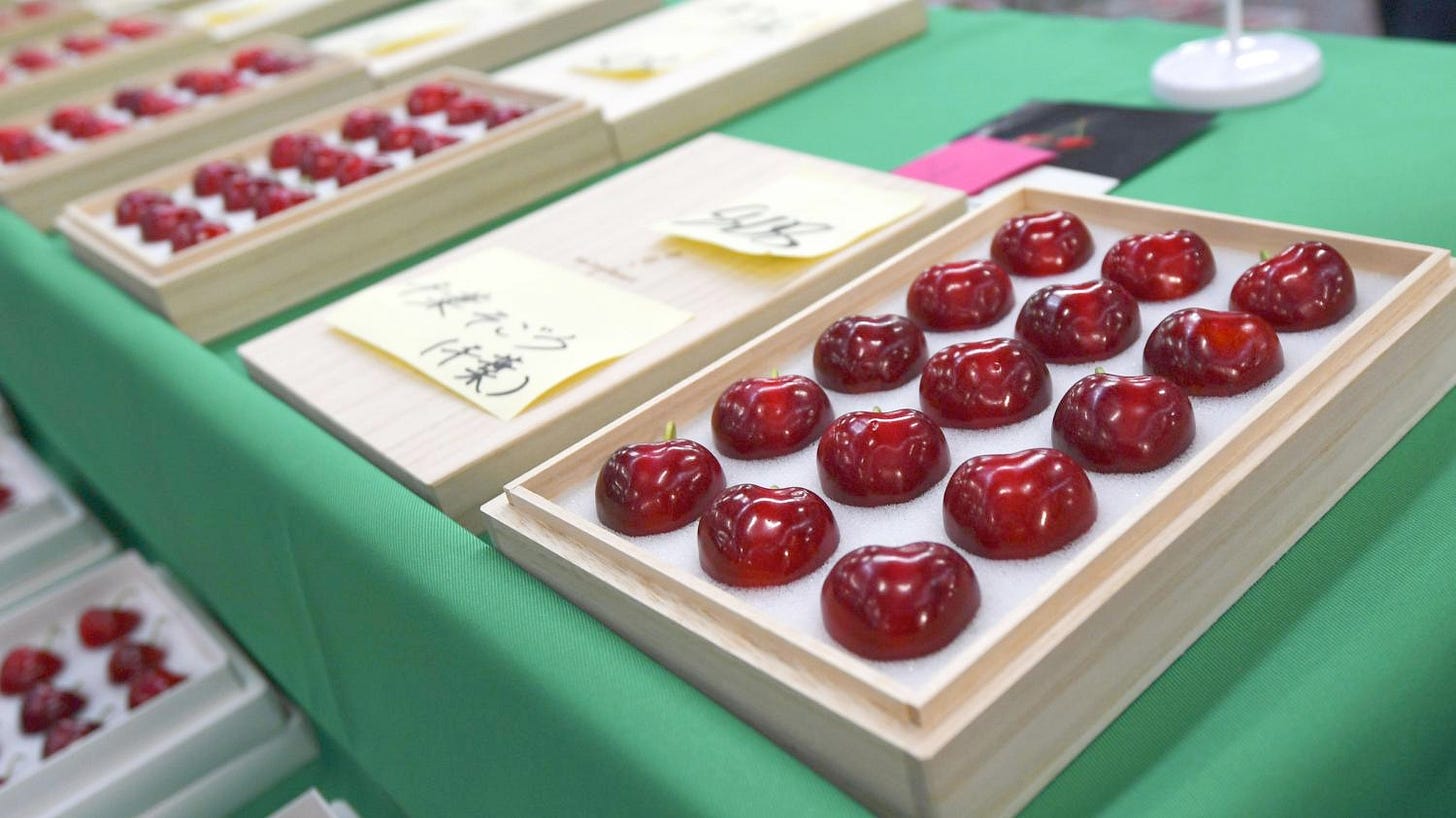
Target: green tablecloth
x: 462, y: 686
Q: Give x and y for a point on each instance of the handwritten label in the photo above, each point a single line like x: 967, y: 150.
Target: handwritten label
x: 500, y: 328
x: 803, y: 215
x: 431, y: 28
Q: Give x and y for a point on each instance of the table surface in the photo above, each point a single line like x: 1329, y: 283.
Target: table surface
x: 460, y: 685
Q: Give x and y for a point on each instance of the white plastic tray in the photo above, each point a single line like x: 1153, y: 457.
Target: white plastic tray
x: 312, y: 805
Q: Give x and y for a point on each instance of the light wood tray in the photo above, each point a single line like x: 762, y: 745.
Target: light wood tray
x: 63, y: 82
x: 452, y: 453
x: 493, y: 41
x: 38, y: 189
x: 1009, y: 713
x: 66, y: 15
x: 222, y: 21
x: 231, y: 281
x: 648, y: 114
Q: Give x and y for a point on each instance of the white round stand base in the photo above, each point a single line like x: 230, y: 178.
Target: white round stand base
x: 1231, y: 73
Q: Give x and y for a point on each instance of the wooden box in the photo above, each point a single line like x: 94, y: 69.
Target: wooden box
x: 60, y: 15
x: 452, y: 453
x: 479, y: 34
x: 979, y: 728
x: 44, y: 88
x: 39, y: 188
x: 228, y: 21
x: 231, y: 281
x: 759, y: 51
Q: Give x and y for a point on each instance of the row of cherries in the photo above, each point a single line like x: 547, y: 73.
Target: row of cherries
x: 83, y: 44
x: 82, y: 122
x: 161, y: 218
x: 27, y: 671
x: 895, y: 603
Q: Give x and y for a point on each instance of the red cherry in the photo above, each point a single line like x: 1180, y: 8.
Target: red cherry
x: 150, y: 683
x: 189, y: 233
x: 133, y: 28
x: 1076, y: 323
x: 1018, y: 506
x: 33, y: 59
x: 277, y: 199
x: 502, y: 114
x: 398, y: 137
x: 35, y: 8
x: 430, y: 142
x: 208, y: 81
x: 1042, y: 244
x: 240, y: 190
x: 64, y: 733
x: 1162, y: 266
x: 753, y: 536
x: 248, y: 57
x: 878, y: 458
x: 130, y: 658
x: 208, y: 179
x: 160, y: 220
x: 68, y: 118
x: 960, y: 295
x: 1307, y: 286
x: 287, y: 149
x: 130, y: 207
x: 869, y: 353
x: 1213, y: 353
x: 758, y: 418
x: 356, y: 167
x: 45, y: 705
x: 144, y: 102
x: 363, y: 123
x: 7, y: 496
x: 463, y: 110
x: 84, y: 43
x: 1124, y: 423
x: 102, y: 626
x: 888, y: 603
x: 651, y: 488
x: 272, y: 63
x: 96, y: 126
x: 984, y: 384
x: 430, y: 97
x: 321, y: 161
x: 20, y: 145
x: 25, y: 667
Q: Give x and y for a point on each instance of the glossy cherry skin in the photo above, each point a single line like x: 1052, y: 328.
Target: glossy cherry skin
x: 133, y: 28
x: 753, y: 536
x: 287, y: 150
x: 102, y: 626
x: 869, y: 353
x: 651, y: 488
x: 1077, y: 323
x: 363, y: 123
x: 430, y: 142
x: 130, y: 207
x: 878, y: 458
x: 150, y: 683
x: 985, y: 384
x: 464, y: 110
x: 1124, y: 423
x: 188, y: 234
x: 25, y: 667
x: 1042, y: 244
x: 888, y: 603
x: 159, y: 221
x: 960, y: 295
x: 1160, y: 266
x: 84, y: 43
x: 758, y: 418
x: 66, y: 732
x: 356, y: 167
x: 429, y: 97
x: 207, y: 180
x: 277, y: 199
x: 130, y: 658
x: 45, y: 705
x: 321, y: 161
x: 240, y: 191
x: 1307, y: 286
x: 1214, y: 353
x: 396, y: 136
x: 1019, y: 505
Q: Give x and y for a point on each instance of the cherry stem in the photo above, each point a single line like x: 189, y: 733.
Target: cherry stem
x: 671, y: 432
x: 878, y: 410
x: 774, y: 373
x: 1263, y: 255
x: 1100, y: 371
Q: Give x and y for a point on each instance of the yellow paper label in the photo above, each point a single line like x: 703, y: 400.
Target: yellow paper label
x: 235, y: 13
x: 395, y: 45
x: 500, y: 328
x: 803, y: 215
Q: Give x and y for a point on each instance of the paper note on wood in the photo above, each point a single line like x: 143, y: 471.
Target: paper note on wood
x: 803, y: 215
x: 500, y: 328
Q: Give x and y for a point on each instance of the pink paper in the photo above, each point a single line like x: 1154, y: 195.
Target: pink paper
x: 974, y: 163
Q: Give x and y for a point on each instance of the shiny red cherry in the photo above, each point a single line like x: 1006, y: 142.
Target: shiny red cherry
x: 753, y: 536
x: 96, y: 126
x: 357, y: 167
x: 1214, y: 353
x: 502, y: 114
x: 429, y: 97
x: 68, y: 118
x: 277, y: 199
x: 878, y: 458
x: 271, y: 63
x: 651, y: 488
x: 396, y: 136
x: 144, y: 102
x: 287, y: 149
x: 159, y: 221
x: 757, y: 418
x: 246, y: 58
x: 130, y: 207
x: 1307, y: 286
x: 134, y: 28
x: 426, y: 142
x: 34, y: 59
x: 888, y: 603
x: 208, y: 81
x: 363, y: 123
x: 239, y: 191
x: 25, y: 667
x: 102, y: 626
x: 44, y: 705
x: 150, y: 683
x: 983, y: 384
x: 1124, y: 423
x: 463, y: 110
x: 188, y: 234
x: 20, y: 145
x: 130, y: 658
x: 1161, y: 266
x: 321, y: 161
x: 84, y: 43
x: 869, y: 353
x: 207, y: 180
x: 66, y: 732
x: 1077, y: 323
x: 960, y: 295
x: 1042, y: 244
x: 1018, y: 506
